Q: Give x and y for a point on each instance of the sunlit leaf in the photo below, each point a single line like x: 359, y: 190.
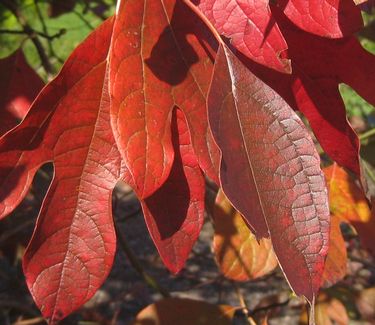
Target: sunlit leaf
x: 281, y: 191
x: 350, y: 205
x: 238, y: 253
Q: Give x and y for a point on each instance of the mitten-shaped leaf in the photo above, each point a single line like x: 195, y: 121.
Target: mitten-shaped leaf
x: 270, y: 170
x: 72, y: 249
x: 159, y: 60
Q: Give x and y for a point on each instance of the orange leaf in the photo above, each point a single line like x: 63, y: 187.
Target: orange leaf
x: 348, y: 203
x: 239, y: 255
x: 335, y: 268
x: 328, y: 311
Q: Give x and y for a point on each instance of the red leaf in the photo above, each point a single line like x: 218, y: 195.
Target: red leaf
x: 320, y: 101
x: 318, y: 68
x: 73, y: 245
x: 19, y: 85
x: 327, y: 18
x: 251, y: 28
x: 159, y: 60
x: 72, y: 248
x: 175, y: 227
x: 281, y: 189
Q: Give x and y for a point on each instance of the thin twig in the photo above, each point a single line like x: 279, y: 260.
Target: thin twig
x: 86, y: 22
x: 270, y: 306
x: 241, y: 299
x: 12, y: 6
x: 138, y: 267
x: 32, y: 321
x: 367, y: 134
x: 11, y: 31
x: 45, y: 31
x: 22, y: 32
x: 368, y: 170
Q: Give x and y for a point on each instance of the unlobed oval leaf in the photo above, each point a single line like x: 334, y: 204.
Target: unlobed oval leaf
x: 270, y: 170
x: 237, y: 252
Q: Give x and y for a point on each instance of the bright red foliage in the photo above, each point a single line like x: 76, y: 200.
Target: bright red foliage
x: 130, y: 104
x: 251, y: 28
x: 175, y: 227
x: 327, y: 18
x: 171, y: 64
x: 72, y: 248
x: 280, y: 169
x: 318, y: 67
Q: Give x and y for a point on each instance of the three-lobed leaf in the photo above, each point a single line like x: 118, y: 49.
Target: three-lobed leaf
x: 159, y: 60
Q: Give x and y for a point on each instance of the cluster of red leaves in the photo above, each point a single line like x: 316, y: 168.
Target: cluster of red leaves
x: 130, y: 104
